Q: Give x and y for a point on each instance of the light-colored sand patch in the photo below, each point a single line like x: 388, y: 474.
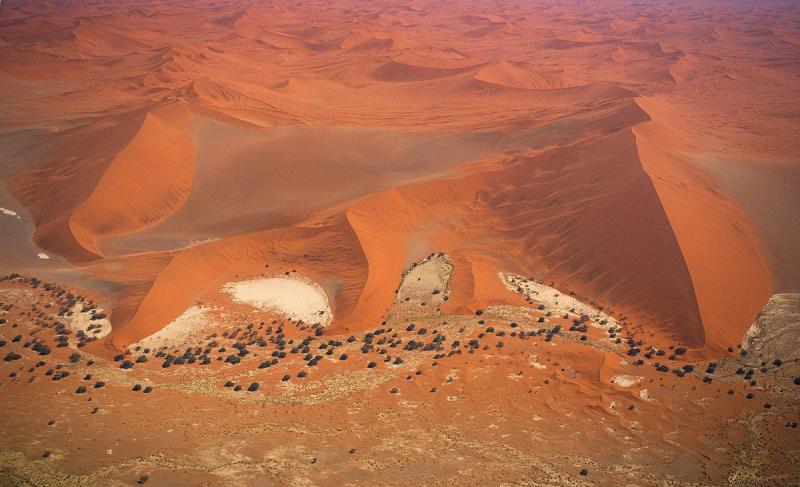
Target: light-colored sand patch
x: 533, y: 361
x: 645, y: 394
x: 43, y: 256
x: 299, y: 299
x: 625, y: 380
x: 426, y: 281
x: 554, y: 300
x: 82, y: 321
x: 6, y: 211
x: 193, y: 324
x: 776, y: 331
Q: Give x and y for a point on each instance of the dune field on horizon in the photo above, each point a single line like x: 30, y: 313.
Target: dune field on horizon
x: 410, y: 242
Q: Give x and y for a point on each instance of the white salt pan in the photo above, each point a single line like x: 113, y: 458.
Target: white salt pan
x: 298, y: 299
x: 6, y: 211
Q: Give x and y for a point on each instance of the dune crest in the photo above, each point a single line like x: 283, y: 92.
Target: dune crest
x: 349, y: 242
x: 154, y: 172
x: 597, y: 153
x: 510, y: 75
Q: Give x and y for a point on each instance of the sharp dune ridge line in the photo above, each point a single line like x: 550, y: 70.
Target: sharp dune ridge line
x: 322, y: 213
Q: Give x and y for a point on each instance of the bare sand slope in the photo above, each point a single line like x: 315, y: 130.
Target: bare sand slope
x: 510, y: 75
x: 150, y: 178
x: 214, y: 174
x: 623, y: 153
x: 558, y: 234
x: 704, y: 217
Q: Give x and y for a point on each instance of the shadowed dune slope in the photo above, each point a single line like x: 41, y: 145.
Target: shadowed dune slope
x: 135, y: 174
x: 523, y: 217
x: 146, y: 181
x: 509, y: 75
x: 621, y: 151
x: 703, y: 217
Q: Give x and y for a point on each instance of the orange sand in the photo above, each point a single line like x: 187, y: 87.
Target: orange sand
x: 179, y: 147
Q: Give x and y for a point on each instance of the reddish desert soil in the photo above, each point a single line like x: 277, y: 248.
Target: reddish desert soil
x: 641, y: 157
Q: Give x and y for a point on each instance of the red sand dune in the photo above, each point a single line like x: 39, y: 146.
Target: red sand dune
x: 182, y: 146
x: 512, y: 76
x: 639, y: 157
x: 155, y: 169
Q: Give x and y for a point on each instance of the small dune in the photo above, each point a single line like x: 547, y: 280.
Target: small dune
x: 396, y: 71
x: 510, y: 75
x: 153, y: 189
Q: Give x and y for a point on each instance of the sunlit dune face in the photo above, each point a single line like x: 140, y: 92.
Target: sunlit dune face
x: 321, y: 243
x: 247, y: 120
